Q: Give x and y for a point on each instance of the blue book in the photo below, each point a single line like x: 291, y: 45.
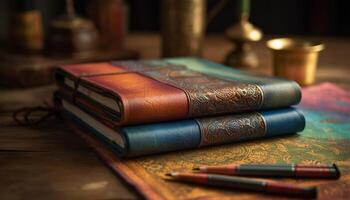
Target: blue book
x: 138, y: 140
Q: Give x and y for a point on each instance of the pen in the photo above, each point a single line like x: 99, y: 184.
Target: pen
x: 281, y: 170
x: 245, y: 184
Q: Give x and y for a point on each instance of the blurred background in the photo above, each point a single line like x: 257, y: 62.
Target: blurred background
x: 302, y: 17
x: 132, y: 29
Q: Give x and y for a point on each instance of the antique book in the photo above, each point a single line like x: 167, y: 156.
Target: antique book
x: 324, y: 140
x: 138, y: 92
x: 137, y: 140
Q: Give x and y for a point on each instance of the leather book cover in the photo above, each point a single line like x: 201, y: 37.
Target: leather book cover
x: 138, y: 92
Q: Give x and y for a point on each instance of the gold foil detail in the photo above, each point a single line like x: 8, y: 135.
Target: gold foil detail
x: 232, y: 128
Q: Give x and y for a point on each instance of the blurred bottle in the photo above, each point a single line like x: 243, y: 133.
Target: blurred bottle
x: 183, y: 26
x: 71, y: 35
x: 111, y: 19
x: 26, y: 32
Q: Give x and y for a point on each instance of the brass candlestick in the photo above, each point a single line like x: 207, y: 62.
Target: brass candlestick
x: 241, y: 34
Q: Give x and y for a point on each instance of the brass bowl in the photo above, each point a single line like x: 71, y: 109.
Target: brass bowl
x: 295, y: 59
x: 289, y: 44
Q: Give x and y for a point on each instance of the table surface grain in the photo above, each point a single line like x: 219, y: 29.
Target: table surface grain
x: 48, y: 162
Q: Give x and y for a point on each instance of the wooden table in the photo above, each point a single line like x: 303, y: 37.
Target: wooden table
x: 49, y: 162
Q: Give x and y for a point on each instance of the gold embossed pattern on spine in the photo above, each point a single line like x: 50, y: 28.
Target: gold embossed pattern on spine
x: 228, y: 129
x: 208, y: 95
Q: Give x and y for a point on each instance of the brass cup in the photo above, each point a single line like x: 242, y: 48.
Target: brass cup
x: 295, y: 59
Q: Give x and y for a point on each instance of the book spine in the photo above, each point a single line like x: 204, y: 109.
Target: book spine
x: 276, y: 92
x: 195, y: 133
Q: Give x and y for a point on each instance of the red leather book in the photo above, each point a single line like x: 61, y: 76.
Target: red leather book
x: 137, y: 92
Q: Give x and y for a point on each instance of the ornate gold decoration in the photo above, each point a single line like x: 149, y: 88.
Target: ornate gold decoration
x: 228, y: 129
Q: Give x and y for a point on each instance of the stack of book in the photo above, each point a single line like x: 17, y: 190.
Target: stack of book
x: 152, y: 106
